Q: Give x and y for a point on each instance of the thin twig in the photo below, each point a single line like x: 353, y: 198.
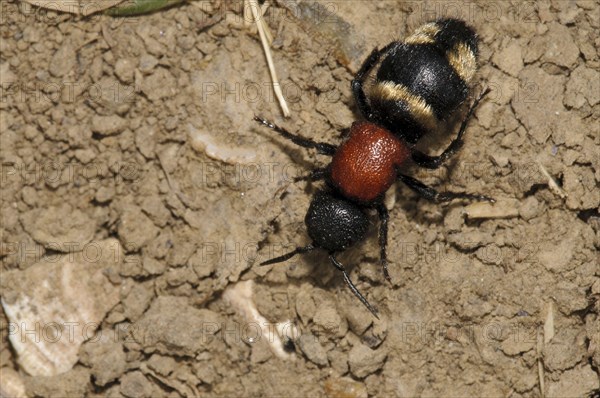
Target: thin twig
x: 254, y: 7
x: 540, y: 364
x: 554, y: 187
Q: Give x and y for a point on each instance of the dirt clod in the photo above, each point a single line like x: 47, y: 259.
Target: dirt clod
x: 136, y: 385
x: 60, y: 228
x: 173, y: 326
x: 108, y: 125
x: 105, y: 357
x: 363, y: 361
x: 312, y: 348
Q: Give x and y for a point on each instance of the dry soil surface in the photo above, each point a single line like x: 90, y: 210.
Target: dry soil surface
x: 135, y: 136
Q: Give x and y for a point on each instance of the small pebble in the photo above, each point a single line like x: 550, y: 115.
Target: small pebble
x: 105, y: 194
x: 314, y: 351
x: 364, y: 361
x: 530, y: 208
x: 327, y: 317
x: 454, y: 219
x: 344, y: 387
x: 153, y: 266
x: 124, y: 69
x: 108, y: 125
x: 147, y: 63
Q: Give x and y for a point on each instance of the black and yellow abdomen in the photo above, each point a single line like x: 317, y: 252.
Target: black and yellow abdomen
x: 423, y: 79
